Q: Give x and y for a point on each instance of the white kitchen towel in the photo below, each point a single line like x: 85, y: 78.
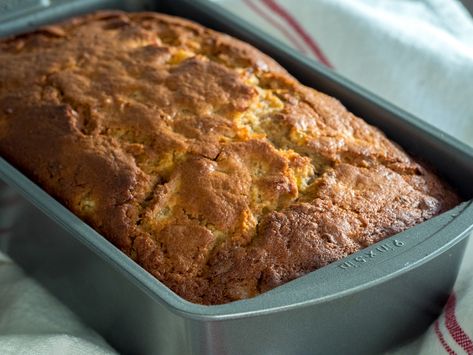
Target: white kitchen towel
x: 417, y: 54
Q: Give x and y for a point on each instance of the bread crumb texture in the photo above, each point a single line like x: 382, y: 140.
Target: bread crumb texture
x: 199, y: 156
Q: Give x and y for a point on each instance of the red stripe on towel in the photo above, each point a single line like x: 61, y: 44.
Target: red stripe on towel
x: 454, y: 327
x: 275, y: 24
x: 291, y: 21
x: 439, y: 334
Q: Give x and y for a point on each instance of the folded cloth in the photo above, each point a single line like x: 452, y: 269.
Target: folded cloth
x: 416, y: 54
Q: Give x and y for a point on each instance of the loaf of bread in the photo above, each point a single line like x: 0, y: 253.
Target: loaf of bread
x: 200, y: 157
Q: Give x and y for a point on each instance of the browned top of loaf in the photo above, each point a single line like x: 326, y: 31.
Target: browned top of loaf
x: 199, y: 156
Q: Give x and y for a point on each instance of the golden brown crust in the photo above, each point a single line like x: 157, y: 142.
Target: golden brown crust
x: 199, y: 156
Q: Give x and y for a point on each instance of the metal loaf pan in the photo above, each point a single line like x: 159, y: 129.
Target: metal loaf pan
x: 366, y: 303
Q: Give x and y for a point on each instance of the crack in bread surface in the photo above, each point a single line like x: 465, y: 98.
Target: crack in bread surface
x: 199, y: 156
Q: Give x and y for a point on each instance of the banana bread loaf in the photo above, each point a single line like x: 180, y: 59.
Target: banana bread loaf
x: 200, y: 157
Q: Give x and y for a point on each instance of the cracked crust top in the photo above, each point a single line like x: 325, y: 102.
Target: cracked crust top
x: 199, y: 156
